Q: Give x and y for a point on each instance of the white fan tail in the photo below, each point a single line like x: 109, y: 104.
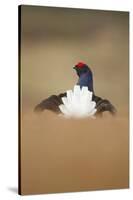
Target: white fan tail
x: 78, y: 103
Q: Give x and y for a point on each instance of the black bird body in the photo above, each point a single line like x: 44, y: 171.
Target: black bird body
x: 85, y: 79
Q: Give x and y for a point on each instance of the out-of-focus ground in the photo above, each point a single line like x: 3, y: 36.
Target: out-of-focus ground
x: 59, y: 155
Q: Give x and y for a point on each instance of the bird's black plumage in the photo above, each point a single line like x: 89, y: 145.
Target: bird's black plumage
x: 85, y: 79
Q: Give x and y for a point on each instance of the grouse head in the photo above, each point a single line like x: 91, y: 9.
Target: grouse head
x: 85, y: 75
x: 82, y: 68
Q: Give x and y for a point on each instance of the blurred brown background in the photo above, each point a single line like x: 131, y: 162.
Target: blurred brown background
x: 73, y: 155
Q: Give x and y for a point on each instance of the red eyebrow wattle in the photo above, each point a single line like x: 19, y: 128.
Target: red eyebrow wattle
x: 80, y: 64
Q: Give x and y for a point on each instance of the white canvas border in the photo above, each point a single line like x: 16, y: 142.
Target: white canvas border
x: 9, y: 98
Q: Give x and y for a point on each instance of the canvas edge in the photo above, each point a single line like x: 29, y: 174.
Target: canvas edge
x: 19, y: 100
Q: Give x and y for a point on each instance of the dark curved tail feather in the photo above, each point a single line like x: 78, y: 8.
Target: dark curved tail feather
x: 51, y: 103
x: 105, y: 105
